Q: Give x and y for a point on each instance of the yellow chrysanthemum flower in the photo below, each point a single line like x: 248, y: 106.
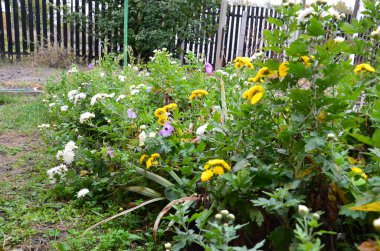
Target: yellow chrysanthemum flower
x: 306, y: 60
x: 198, y: 93
x: 241, y: 62
x: 218, y: 170
x: 142, y: 158
x: 360, y: 171
x: 263, y: 72
x: 283, y: 69
x: 206, y: 175
x: 215, y: 162
x: 160, y: 112
x: 170, y: 107
x: 162, y: 120
x: 363, y: 68
x: 152, y: 160
x: 254, y: 94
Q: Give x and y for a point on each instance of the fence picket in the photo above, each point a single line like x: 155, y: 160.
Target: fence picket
x: 30, y: 25
x: 23, y: 27
x: 2, y: 31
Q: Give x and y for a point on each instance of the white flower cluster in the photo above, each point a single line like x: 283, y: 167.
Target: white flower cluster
x: 58, y: 170
x: 64, y: 108
x: 98, y: 96
x: 339, y: 39
x: 68, y: 153
x: 376, y: 33
x: 85, y: 116
x: 82, y: 192
x: 304, y: 15
x: 136, y: 89
x: 122, y: 78
x: 43, y: 126
x: 75, y: 95
x: 122, y: 96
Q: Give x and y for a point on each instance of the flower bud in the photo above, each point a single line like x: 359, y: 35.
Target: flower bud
x: 231, y: 217
x: 218, y: 216
x: 224, y: 212
x: 376, y: 224
x: 168, y: 245
x: 316, y: 216
x: 331, y: 136
x: 303, y: 210
x: 143, y: 127
x: 225, y: 224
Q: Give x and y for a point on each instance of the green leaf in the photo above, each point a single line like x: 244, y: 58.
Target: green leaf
x: 156, y: 178
x: 364, y: 139
x: 376, y: 138
x: 314, y: 143
x: 348, y: 28
x: 297, y: 48
x: 281, y: 238
x: 144, y: 191
x: 315, y: 28
x: 274, y: 21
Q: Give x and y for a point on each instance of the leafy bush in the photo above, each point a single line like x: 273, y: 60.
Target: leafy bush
x: 257, y: 138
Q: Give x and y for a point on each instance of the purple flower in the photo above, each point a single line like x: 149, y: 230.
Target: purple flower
x: 167, y: 130
x: 110, y: 152
x: 208, y: 68
x: 149, y: 89
x: 131, y: 114
x: 90, y: 66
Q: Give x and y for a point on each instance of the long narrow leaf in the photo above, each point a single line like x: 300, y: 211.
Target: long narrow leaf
x: 123, y: 213
x: 154, y: 177
x: 144, y: 191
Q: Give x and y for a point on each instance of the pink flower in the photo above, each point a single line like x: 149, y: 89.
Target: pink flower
x: 167, y: 130
x: 208, y: 68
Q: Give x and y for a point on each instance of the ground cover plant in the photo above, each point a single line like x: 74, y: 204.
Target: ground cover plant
x: 264, y: 154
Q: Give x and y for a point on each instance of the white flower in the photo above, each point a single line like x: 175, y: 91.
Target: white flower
x: 140, y: 86
x: 122, y: 78
x: 134, y: 91
x: 376, y: 224
x: 64, y: 108
x: 201, y: 130
x: 302, y: 15
x: 42, y: 126
x: 142, y: 138
x: 68, y: 156
x: 82, y: 192
x: 58, y: 170
x: 100, y: 96
x: 51, y: 104
x: 152, y: 134
x: 339, y: 39
x: 71, y: 94
x: 78, y: 96
x: 102, y: 74
x: 142, y: 127
x: 73, y: 69
x: 334, y: 13
x: 71, y: 145
x: 136, y: 68
x: 85, y: 116
x: 54, y: 96
x: 303, y: 210
x: 376, y: 33
x: 122, y: 96
x: 68, y: 153
x: 256, y: 55
x: 331, y: 136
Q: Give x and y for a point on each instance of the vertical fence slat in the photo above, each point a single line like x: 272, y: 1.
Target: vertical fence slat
x: 51, y: 21
x: 38, y: 23
x: 83, y: 26
x: 72, y: 38
x: 77, y: 28
x: 24, y: 38
x: 44, y: 24
x: 9, y: 29
x: 31, y: 26
x: 97, y: 11
x: 64, y: 19
x: 2, y: 31
x: 16, y: 28
x: 59, y: 35
x: 90, y: 31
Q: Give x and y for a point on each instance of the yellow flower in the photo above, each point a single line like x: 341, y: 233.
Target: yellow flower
x: 142, y: 158
x: 170, y: 107
x: 160, y: 112
x: 363, y: 67
x: 254, y: 94
x: 218, y: 170
x: 151, y: 161
x: 162, y: 120
x: 283, y: 69
x: 198, y: 93
x: 306, y: 60
x: 241, y: 62
x: 352, y: 161
x: 206, y: 175
x: 360, y: 171
x: 263, y: 72
x: 322, y: 116
x: 215, y: 162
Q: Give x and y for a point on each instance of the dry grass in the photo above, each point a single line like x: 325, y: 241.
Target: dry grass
x: 53, y: 56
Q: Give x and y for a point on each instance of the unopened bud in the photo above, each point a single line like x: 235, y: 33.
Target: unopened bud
x: 168, y: 245
x: 225, y: 224
x: 331, y: 136
x: 231, y: 217
x: 218, y: 216
x: 224, y: 212
x: 316, y: 216
x: 376, y: 224
x: 303, y: 210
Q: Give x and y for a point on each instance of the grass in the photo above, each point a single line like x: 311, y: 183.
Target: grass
x: 21, y: 114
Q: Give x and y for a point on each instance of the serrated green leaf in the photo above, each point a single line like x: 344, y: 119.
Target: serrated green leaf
x: 315, y: 28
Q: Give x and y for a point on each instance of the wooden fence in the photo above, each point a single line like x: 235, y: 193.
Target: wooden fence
x: 28, y: 25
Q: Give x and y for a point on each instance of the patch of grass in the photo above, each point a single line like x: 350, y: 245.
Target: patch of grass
x: 21, y: 114
x: 9, y: 150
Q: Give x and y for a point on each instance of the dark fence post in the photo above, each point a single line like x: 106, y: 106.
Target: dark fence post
x: 23, y: 28
x: 64, y: 24
x: 31, y: 27
x: 44, y: 23
x: 2, y: 49
x: 38, y: 24
x: 16, y: 28
x: 59, y: 35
